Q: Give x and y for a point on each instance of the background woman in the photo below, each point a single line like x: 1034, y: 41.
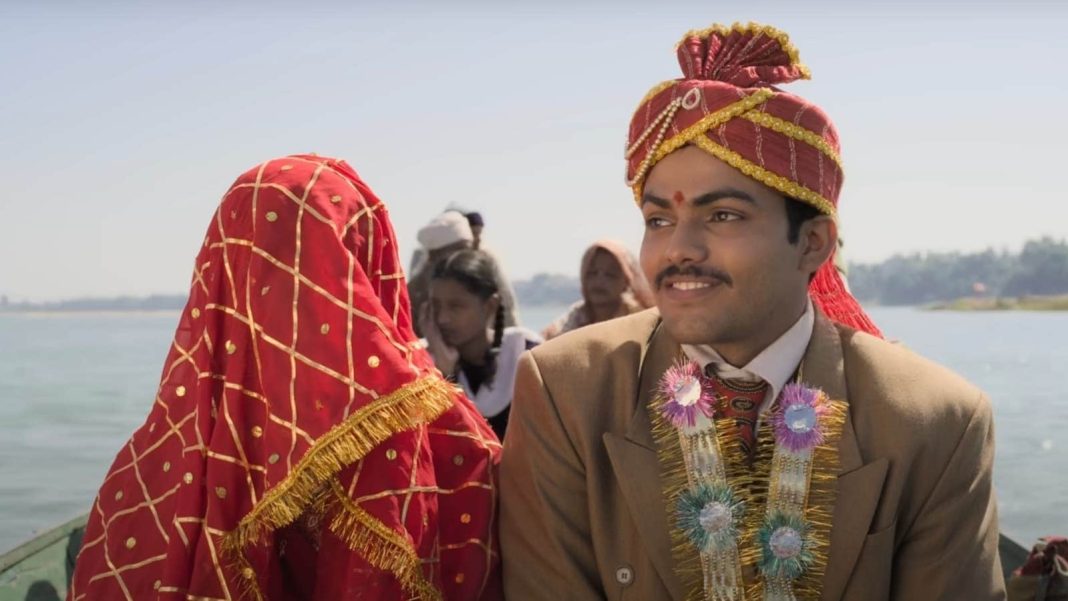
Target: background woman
x: 466, y: 304
x: 612, y: 286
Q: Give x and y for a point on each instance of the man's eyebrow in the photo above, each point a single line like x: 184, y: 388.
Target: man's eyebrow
x: 717, y: 195
x: 656, y: 200
x: 702, y: 200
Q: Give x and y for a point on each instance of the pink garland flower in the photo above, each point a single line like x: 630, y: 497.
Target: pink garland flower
x: 685, y: 392
x: 797, y: 422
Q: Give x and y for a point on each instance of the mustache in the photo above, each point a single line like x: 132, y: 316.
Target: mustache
x: 692, y: 271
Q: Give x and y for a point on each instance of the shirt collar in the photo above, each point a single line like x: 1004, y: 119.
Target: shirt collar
x: 775, y: 364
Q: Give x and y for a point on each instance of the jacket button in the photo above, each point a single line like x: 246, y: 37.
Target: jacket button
x: 624, y: 575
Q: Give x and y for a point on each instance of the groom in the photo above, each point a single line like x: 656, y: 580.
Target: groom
x: 753, y: 436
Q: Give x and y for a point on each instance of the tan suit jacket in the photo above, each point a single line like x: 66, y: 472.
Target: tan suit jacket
x: 582, y: 511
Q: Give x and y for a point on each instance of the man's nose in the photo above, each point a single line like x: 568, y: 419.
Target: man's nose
x: 686, y: 245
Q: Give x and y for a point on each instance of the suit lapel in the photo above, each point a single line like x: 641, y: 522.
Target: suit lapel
x: 637, y: 469
x: 859, y: 484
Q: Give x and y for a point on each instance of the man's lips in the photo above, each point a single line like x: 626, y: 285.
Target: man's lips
x: 691, y: 278
x: 688, y: 288
x: 689, y: 285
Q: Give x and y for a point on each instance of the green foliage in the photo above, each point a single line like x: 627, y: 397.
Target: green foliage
x: 1040, y: 269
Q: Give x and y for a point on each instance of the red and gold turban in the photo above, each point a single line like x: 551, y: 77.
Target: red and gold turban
x: 301, y: 445
x: 726, y: 103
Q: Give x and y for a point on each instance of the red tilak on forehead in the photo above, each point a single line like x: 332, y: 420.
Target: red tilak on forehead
x: 678, y: 198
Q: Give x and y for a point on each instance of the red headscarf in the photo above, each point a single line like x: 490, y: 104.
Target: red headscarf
x: 300, y: 445
x: 727, y: 105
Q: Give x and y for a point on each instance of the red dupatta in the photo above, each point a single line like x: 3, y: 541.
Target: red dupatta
x: 300, y: 444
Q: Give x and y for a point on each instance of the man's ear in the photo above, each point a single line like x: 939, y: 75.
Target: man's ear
x: 818, y: 240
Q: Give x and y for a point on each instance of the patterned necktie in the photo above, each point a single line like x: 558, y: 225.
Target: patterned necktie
x: 741, y: 400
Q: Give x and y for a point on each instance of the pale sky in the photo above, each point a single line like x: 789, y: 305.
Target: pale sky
x: 121, y: 125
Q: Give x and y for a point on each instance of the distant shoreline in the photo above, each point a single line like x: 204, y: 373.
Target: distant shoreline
x: 1023, y: 303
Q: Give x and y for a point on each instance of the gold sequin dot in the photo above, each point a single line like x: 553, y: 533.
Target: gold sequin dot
x: 286, y: 167
x: 231, y: 348
x: 156, y: 585
x: 465, y: 518
x: 180, y: 391
x: 273, y: 458
x: 265, y: 290
x: 324, y: 329
x: 426, y: 520
x: 195, y: 312
x: 391, y: 454
x: 248, y: 573
x: 318, y: 405
x: 220, y: 492
x: 459, y: 579
x: 166, y: 466
x: 458, y: 460
x: 233, y: 214
x: 373, y: 361
x: 118, y: 496
x: 257, y: 431
x: 131, y: 543
x: 272, y: 216
x: 335, y: 198
x: 188, y: 478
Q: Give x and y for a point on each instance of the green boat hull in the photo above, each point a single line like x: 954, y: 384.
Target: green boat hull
x: 40, y: 570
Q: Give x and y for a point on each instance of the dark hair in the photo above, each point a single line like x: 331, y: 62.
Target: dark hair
x: 476, y: 271
x: 474, y: 219
x: 797, y: 213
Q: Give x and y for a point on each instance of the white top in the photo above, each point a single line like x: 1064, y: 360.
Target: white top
x: 494, y: 397
x: 774, y: 365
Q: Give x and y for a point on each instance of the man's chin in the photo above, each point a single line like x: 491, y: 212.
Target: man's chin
x: 689, y: 330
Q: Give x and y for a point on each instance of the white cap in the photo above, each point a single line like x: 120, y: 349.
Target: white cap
x: 444, y: 230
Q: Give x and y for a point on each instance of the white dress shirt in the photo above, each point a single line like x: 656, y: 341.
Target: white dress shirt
x: 774, y: 365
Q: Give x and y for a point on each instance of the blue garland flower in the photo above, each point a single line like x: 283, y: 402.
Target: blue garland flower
x: 786, y: 545
x: 709, y: 516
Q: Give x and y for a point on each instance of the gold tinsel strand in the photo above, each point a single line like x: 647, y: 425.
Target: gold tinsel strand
x: 751, y: 482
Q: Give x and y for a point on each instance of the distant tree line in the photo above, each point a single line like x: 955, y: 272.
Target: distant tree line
x: 547, y: 289
x: 1041, y: 268
x: 156, y: 302
x: 542, y: 289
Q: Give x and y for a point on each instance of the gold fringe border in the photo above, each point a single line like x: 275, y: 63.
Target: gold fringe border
x: 381, y: 546
x: 414, y: 404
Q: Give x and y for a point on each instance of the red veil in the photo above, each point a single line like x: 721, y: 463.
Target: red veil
x: 300, y: 444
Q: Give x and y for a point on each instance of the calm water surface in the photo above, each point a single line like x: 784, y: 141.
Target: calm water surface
x: 73, y: 387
